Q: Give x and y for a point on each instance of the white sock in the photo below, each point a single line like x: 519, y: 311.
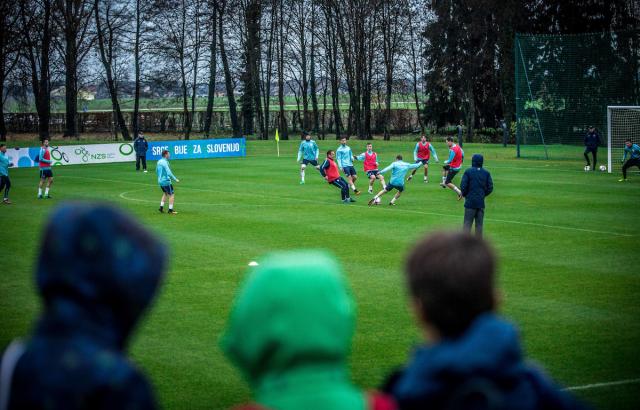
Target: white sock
x: 161, y: 203
x: 170, y: 206
x: 425, y: 178
x: 39, y: 191
x: 393, y: 200
x: 46, y: 191
x: 353, y: 187
x: 457, y: 190
x: 302, y: 175
x: 443, y: 179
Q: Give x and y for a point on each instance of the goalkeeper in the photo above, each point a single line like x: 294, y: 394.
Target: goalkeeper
x: 634, y: 158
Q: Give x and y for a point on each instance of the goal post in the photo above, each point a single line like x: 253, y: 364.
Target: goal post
x: 623, y: 122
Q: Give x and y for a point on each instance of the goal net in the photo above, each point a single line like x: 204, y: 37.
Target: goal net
x: 623, y: 122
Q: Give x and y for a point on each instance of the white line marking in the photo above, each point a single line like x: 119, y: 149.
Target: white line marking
x: 124, y: 196
x: 566, y: 228
x: 607, y: 384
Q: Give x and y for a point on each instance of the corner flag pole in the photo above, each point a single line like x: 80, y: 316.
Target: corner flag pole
x: 278, y: 143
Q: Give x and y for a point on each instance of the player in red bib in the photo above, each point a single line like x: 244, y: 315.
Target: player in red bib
x: 370, y: 160
x: 452, y: 167
x: 46, y: 174
x: 422, y: 153
x: 330, y: 172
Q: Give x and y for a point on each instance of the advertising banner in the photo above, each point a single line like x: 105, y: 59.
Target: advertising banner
x: 123, y: 152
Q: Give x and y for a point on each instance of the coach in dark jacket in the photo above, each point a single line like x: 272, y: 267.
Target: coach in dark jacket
x: 591, y: 143
x: 140, y: 145
x: 476, y: 185
x: 98, y: 270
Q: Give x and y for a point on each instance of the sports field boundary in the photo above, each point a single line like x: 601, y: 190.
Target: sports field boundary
x: 603, y: 384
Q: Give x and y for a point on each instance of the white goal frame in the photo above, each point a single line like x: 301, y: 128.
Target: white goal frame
x: 610, y: 108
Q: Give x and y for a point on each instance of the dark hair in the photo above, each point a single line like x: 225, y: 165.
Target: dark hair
x: 627, y: 140
x: 450, y: 139
x: 164, y: 153
x: 329, y: 152
x: 451, y: 275
x: 399, y: 156
x: 305, y: 133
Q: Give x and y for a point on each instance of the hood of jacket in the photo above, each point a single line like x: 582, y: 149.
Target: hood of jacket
x: 290, y: 330
x: 97, y: 271
x: 489, y: 348
x: 477, y: 160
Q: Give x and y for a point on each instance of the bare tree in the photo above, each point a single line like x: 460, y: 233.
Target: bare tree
x: 37, y: 36
x: 107, y: 32
x: 72, y: 18
x: 213, y: 7
x: 9, y: 52
x: 235, y: 125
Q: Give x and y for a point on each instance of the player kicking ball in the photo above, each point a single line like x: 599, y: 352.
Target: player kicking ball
x: 370, y: 160
x: 422, y: 153
x: 452, y: 167
x: 398, y: 169
x: 344, y: 158
x: 330, y: 172
x: 308, y: 152
x: 164, y: 180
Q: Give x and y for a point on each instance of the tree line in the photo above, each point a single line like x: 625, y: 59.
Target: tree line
x: 454, y: 57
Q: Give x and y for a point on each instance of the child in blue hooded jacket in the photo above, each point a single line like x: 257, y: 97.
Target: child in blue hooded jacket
x: 473, y: 359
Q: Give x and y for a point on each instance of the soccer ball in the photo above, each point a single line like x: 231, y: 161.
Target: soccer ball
x: 587, y: 168
x: 603, y: 168
x: 377, y: 201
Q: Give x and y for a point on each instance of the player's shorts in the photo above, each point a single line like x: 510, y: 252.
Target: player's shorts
x: 391, y: 187
x: 423, y: 161
x: 46, y: 173
x: 310, y: 161
x: 590, y: 149
x: 349, y: 171
x: 167, y: 189
x: 450, y: 174
x: 373, y: 173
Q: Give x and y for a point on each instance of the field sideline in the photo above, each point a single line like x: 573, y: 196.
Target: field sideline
x: 568, y: 244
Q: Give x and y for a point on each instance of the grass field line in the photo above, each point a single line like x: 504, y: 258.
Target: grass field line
x: 605, y: 384
x: 123, y: 195
x: 506, y: 221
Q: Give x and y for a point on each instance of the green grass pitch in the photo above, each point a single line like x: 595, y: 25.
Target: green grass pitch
x: 568, y: 243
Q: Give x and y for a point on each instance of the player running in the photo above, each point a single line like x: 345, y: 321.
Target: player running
x: 422, y: 153
x: 330, y: 172
x: 398, y: 169
x: 308, y: 152
x: 634, y: 158
x: 452, y: 166
x: 46, y: 174
x: 164, y: 180
x: 344, y: 158
x: 370, y: 159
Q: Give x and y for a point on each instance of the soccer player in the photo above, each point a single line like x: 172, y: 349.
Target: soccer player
x: 452, y: 166
x: 44, y: 163
x: 422, y: 153
x: 308, y: 151
x: 164, y: 180
x: 344, y: 157
x: 398, y: 169
x: 634, y: 158
x: 591, y: 143
x: 5, y: 182
x: 370, y: 159
x: 330, y: 172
